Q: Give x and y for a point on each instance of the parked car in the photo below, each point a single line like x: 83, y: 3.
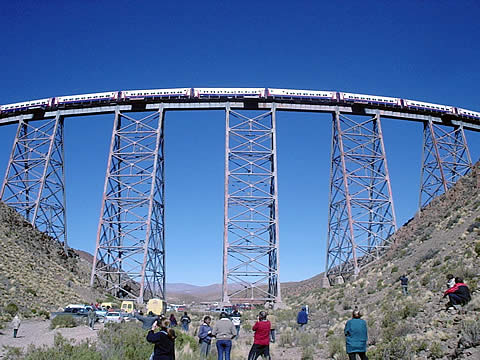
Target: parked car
x: 114, y: 317
x: 75, y: 312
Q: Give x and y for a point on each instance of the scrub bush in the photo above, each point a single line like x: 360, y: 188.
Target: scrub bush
x: 63, y: 321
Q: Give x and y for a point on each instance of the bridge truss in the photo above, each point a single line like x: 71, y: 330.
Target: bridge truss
x: 250, y: 243
x: 445, y: 159
x: 129, y: 257
x: 361, y: 213
x: 34, y: 183
x: 130, y: 247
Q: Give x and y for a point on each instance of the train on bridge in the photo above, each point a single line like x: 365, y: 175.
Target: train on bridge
x: 323, y: 96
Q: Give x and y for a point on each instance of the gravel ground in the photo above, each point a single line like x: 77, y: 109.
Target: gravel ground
x: 37, y: 332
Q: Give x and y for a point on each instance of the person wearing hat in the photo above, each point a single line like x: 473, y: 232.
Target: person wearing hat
x: 261, y: 339
x: 356, y: 336
x: 224, y: 331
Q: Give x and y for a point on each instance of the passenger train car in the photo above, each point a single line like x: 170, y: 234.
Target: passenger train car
x: 86, y: 98
x: 26, y: 105
x: 301, y: 94
x: 155, y: 94
x: 126, y: 96
x: 370, y: 99
x: 203, y: 93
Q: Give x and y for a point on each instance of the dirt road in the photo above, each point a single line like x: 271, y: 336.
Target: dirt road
x: 37, y: 332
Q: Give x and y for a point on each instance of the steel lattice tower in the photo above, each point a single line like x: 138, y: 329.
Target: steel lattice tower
x: 130, y: 253
x: 445, y: 159
x: 361, y: 213
x: 34, y: 183
x: 250, y: 247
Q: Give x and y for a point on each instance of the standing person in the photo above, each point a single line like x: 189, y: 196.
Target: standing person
x: 224, y: 331
x: 91, y: 318
x: 273, y: 321
x: 404, y: 282
x: 16, y: 324
x: 302, y: 318
x: 147, y: 321
x: 185, y: 320
x: 173, y: 320
x: 164, y: 341
x: 205, y: 337
x: 236, y: 320
x: 261, y: 339
x: 459, y: 294
x: 356, y: 336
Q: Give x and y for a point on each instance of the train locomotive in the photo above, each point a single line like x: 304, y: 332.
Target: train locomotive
x: 130, y: 96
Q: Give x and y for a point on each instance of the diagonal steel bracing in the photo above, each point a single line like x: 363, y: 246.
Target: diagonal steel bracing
x: 445, y: 159
x: 34, y: 183
x: 129, y: 257
x: 361, y: 212
x: 250, y: 262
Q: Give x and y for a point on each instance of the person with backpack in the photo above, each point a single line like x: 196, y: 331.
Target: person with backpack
x: 205, y: 337
x: 261, y: 339
x: 185, y: 320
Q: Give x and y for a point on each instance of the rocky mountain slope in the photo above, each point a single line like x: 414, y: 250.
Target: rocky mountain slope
x: 35, y: 272
x: 443, y: 238
x: 35, y: 275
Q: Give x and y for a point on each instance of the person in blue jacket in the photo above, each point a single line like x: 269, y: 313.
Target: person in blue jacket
x: 356, y: 336
x: 302, y: 318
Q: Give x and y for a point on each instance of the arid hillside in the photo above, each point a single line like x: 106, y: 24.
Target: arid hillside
x: 35, y: 272
x: 443, y: 238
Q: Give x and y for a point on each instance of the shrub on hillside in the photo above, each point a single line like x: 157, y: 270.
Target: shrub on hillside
x: 63, y: 321
x: 397, y: 348
x: 123, y: 341
x: 477, y: 248
x: 336, y: 348
x: 62, y: 349
x: 11, y: 309
x: 470, y: 331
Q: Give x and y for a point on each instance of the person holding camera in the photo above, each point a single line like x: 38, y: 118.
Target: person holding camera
x: 261, y: 339
x: 164, y: 340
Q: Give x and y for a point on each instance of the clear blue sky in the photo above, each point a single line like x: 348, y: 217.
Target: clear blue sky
x: 424, y: 50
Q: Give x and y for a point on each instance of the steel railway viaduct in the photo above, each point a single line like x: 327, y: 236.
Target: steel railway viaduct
x: 130, y: 248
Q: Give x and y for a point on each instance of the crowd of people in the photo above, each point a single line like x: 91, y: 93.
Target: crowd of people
x: 227, y: 327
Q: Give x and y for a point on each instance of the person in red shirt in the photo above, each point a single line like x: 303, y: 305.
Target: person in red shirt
x: 261, y: 339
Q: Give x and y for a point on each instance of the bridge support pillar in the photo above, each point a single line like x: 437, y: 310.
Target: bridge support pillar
x: 445, y: 159
x: 251, y: 241
x: 129, y: 257
x: 34, y: 183
x: 361, y: 212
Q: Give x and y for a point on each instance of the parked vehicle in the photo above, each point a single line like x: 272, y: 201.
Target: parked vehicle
x: 128, y: 306
x: 75, y: 312
x: 156, y: 306
x: 114, y: 317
